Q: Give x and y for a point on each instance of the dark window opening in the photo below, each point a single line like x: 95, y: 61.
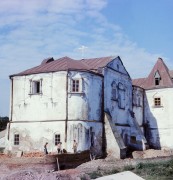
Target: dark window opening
x: 75, y: 85
x: 16, y: 139
x: 133, y: 139
x: 157, y: 78
x: 57, y: 139
x: 36, y: 87
x: 157, y: 101
x: 157, y: 81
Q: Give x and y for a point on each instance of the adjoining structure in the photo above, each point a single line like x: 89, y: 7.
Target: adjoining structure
x: 158, y: 114
x: 65, y: 99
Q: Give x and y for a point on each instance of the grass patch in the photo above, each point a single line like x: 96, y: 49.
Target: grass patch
x: 155, y: 171
x: 148, y: 171
x: 100, y: 173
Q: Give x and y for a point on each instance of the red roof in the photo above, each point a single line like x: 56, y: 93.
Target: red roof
x: 149, y: 82
x: 66, y: 63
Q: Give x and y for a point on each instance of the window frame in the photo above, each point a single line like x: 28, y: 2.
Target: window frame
x: 157, y: 78
x: 57, y: 139
x: 75, y: 85
x: 157, y: 102
x: 16, y: 139
x: 35, y: 87
x: 121, y: 96
x: 114, y: 91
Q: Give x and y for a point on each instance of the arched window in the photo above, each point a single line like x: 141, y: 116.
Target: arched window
x: 139, y: 101
x: 121, y: 96
x: 114, y: 91
x: 57, y: 138
x: 16, y: 139
x: 157, y: 78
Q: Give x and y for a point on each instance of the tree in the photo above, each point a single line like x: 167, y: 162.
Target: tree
x: 3, y: 122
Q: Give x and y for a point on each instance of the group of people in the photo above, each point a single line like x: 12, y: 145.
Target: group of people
x: 59, y: 147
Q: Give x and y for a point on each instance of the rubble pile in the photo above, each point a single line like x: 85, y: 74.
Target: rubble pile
x: 151, y: 153
x: 33, y: 154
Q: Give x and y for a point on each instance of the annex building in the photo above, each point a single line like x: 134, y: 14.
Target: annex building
x: 93, y: 101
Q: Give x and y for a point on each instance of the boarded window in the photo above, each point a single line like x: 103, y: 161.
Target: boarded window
x: 57, y: 139
x: 114, y: 91
x: 75, y: 85
x: 16, y: 139
x: 157, y: 101
x: 121, y: 96
x: 139, y: 101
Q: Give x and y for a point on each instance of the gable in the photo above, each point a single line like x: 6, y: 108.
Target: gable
x: 117, y: 65
x: 159, y: 77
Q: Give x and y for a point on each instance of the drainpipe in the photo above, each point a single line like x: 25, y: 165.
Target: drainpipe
x: 102, y: 119
x: 11, y: 113
x: 143, y: 115
x: 66, y: 109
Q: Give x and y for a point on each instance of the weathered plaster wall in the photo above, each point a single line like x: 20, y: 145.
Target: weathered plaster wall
x: 86, y: 104
x: 33, y: 136
x: 49, y: 105
x: 115, y: 146
x: 159, y: 120
x: 87, y: 134
x: 118, y: 102
x: 57, y: 110
x: 115, y: 82
x: 138, y: 100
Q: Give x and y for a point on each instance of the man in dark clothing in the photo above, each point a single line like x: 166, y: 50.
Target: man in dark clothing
x: 45, y: 148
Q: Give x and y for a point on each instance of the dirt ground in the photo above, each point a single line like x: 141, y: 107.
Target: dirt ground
x: 11, y: 169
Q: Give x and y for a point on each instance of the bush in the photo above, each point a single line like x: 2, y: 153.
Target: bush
x: 3, y: 122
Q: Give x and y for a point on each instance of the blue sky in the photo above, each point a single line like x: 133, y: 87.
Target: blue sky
x: 138, y: 31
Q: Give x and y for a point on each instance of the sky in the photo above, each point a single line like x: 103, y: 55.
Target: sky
x: 139, y: 31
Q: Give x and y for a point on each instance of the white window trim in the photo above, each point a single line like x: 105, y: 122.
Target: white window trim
x: 80, y: 86
x: 157, y: 106
x: 14, y: 139
x: 55, y: 138
x: 32, y: 84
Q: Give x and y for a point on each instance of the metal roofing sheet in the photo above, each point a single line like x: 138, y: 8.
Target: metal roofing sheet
x: 66, y: 63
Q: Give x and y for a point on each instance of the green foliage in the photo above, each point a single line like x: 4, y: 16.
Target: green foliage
x: 100, y: 173
x: 160, y: 171
x: 3, y: 122
x: 95, y: 174
x: 129, y: 168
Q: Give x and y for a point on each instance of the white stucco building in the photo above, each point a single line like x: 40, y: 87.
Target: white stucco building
x: 65, y: 99
x: 157, y: 111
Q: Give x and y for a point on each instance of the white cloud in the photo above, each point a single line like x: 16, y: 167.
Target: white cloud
x: 33, y: 30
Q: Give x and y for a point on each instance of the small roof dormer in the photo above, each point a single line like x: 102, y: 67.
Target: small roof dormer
x: 157, y: 78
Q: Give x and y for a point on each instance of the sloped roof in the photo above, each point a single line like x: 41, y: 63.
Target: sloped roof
x: 66, y: 63
x: 149, y: 82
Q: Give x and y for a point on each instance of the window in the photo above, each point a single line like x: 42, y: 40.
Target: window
x: 16, y: 139
x: 75, y: 85
x: 36, y: 87
x: 157, y: 78
x: 133, y: 139
x: 139, y: 101
x: 157, y: 101
x: 121, y: 96
x: 114, y: 91
x: 57, y: 139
